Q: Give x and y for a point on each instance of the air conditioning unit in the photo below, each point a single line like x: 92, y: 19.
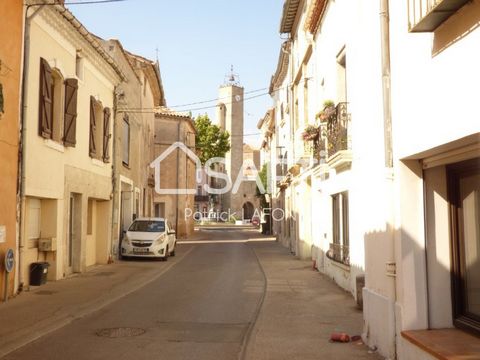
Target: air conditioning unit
x: 47, y: 244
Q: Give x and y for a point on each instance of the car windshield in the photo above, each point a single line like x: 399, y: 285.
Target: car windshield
x: 147, y: 226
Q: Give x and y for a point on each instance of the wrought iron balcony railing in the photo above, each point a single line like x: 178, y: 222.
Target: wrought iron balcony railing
x: 335, y: 133
x: 339, y: 253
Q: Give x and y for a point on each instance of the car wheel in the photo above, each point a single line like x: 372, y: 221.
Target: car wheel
x: 174, y: 248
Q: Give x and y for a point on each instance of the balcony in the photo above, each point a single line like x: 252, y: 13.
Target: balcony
x: 427, y: 15
x: 304, y: 151
x: 334, y: 147
x: 339, y: 253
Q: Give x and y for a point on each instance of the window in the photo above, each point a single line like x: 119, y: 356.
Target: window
x: 147, y: 226
x: 296, y: 114
x: 144, y: 202
x: 339, y: 248
x: 160, y: 210
x: 137, y: 205
x: 126, y: 141
x: 57, y: 105
x: 305, y: 101
x: 34, y: 218
x: 464, y: 199
x: 342, y: 76
x: 100, y: 132
x: 199, y: 190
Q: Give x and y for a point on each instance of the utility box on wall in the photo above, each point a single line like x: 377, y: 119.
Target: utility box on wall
x: 47, y: 244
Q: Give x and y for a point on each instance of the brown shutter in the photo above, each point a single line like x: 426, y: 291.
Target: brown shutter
x: 93, y: 128
x: 106, y: 134
x: 71, y: 92
x: 45, y: 120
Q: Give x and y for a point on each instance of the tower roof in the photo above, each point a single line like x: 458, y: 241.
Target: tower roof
x: 232, y: 79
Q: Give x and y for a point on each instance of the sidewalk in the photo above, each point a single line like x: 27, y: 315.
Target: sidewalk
x: 301, y: 309
x: 46, y: 308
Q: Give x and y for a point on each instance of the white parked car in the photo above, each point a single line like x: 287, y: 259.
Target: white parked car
x: 149, y: 237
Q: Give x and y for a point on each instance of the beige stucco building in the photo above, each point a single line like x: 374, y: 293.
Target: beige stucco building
x: 134, y: 136
x: 67, y: 146
x: 177, y: 169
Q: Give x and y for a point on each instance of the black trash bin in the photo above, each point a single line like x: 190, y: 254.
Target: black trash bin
x: 38, y: 273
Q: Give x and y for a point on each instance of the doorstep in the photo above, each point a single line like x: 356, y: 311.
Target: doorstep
x: 445, y: 344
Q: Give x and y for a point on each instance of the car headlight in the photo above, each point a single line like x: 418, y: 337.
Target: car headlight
x: 126, y: 240
x: 161, y: 239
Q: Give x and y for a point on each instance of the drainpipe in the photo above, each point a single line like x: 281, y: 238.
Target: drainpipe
x: 114, y: 173
x: 386, y: 82
x: 387, y: 123
x: 22, y: 146
x: 178, y: 179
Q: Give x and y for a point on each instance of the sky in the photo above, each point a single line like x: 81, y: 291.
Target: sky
x: 197, y: 41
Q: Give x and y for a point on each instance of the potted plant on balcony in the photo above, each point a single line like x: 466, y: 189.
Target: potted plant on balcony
x: 328, y: 113
x: 310, y: 133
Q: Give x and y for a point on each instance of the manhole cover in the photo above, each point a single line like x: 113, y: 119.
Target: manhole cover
x: 45, y: 292
x: 120, y: 332
x: 104, y: 273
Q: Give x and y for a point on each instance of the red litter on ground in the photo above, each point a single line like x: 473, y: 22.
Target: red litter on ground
x: 340, y: 337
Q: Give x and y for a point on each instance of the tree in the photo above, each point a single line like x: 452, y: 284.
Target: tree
x: 210, y: 140
x: 263, y: 174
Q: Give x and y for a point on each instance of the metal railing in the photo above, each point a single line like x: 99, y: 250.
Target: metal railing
x: 427, y: 15
x: 339, y: 253
x: 335, y: 133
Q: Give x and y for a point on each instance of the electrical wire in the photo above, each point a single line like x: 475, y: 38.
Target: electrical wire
x: 89, y: 2
x: 216, y: 99
x: 155, y: 110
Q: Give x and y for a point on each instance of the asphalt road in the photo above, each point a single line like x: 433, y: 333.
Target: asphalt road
x: 200, y: 309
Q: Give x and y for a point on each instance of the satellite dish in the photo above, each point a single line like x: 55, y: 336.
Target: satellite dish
x: 238, y: 97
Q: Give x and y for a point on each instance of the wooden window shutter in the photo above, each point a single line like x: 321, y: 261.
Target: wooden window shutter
x: 45, y: 120
x: 106, y: 134
x: 70, y: 118
x: 93, y: 128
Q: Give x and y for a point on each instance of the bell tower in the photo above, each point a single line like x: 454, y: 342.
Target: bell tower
x: 230, y: 118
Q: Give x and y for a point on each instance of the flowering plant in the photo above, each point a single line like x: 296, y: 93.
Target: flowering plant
x: 310, y: 133
x: 329, y: 111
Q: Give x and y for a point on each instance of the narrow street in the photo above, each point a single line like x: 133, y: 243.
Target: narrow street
x: 229, y: 293
x: 200, y: 309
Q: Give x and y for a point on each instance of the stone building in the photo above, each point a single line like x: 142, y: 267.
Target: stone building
x: 67, y: 146
x: 230, y: 117
x: 177, y: 168
x: 11, y: 31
